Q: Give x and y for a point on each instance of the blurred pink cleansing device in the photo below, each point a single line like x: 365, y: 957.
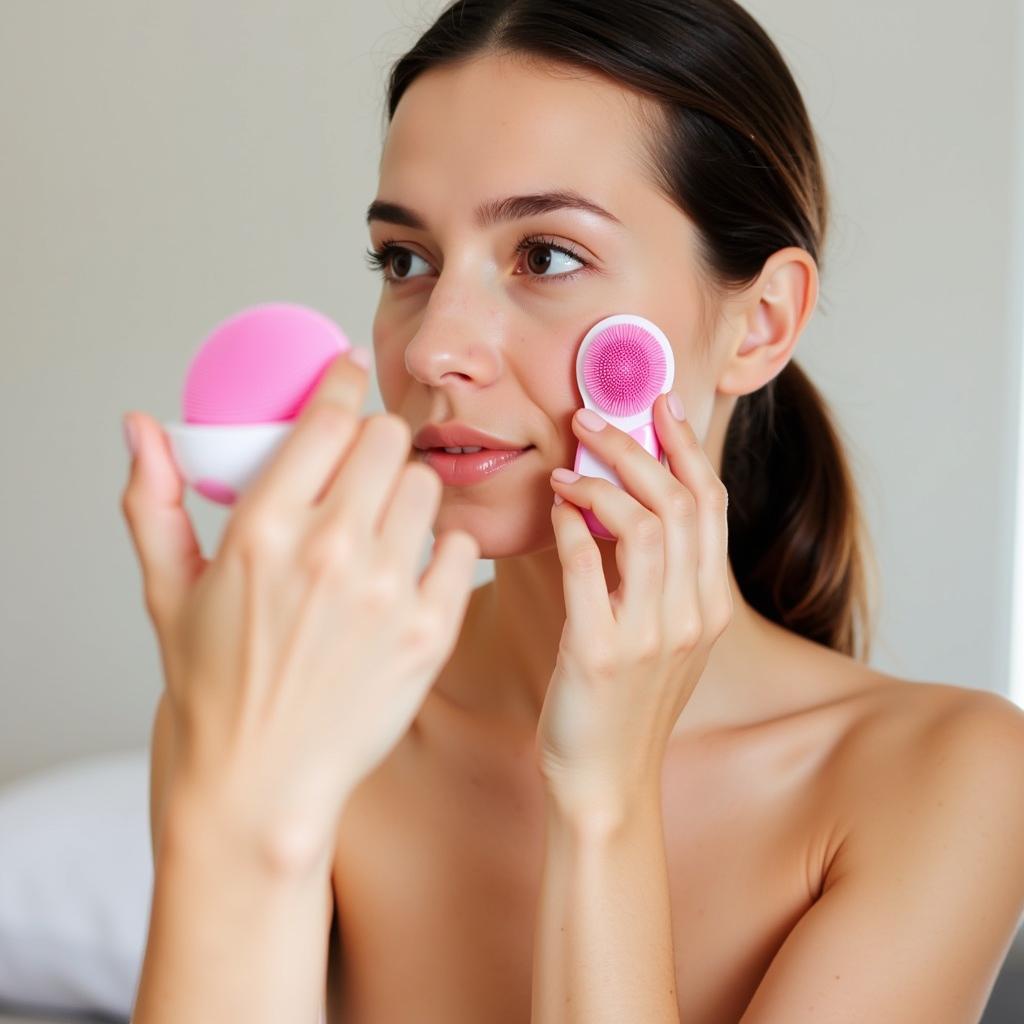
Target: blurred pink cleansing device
x: 622, y: 365
x: 244, y: 389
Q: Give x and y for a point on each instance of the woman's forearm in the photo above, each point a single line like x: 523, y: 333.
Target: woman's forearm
x: 603, y: 944
x: 231, y: 938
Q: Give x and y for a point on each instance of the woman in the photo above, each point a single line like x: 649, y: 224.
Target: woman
x: 517, y: 803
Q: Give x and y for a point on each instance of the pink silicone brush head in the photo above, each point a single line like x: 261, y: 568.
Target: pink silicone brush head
x: 260, y: 365
x: 624, y: 369
x: 243, y: 390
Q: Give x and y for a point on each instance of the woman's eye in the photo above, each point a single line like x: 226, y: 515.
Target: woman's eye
x: 399, y: 261
x: 392, y: 261
x: 539, y: 267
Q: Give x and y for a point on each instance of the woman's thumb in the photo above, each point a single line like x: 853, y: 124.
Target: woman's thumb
x: 153, y: 506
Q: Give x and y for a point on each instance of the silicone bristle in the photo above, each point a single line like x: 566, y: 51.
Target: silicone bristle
x: 624, y: 369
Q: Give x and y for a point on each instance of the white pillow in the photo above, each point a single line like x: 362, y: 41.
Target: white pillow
x: 76, y: 879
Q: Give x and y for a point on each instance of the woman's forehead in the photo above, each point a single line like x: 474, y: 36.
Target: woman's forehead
x: 494, y: 122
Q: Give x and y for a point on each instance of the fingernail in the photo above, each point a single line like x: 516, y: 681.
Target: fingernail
x: 129, y: 434
x: 361, y: 357
x: 590, y: 419
x: 675, y: 406
x: 558, y: 498
x: 567, y: 476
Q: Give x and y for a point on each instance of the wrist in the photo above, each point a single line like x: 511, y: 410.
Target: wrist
x: 202, y: 823
x: 601, y: 813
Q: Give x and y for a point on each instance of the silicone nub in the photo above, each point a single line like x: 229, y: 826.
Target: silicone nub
x: 260, y: 365
x: 624, y: 369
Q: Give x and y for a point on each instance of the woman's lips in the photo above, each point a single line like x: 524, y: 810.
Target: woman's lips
x: 462, y: 469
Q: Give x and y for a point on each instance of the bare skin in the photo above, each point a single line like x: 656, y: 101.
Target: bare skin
x: 440, y: 851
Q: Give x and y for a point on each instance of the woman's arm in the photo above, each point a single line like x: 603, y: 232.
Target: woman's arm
x: 603, y: 944
x: 628, y: 662
x: 925, y: 891
x: 232, y: 936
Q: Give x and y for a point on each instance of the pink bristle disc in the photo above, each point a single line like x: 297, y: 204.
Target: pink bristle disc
x: 260, y: 365
x: 624, y: 369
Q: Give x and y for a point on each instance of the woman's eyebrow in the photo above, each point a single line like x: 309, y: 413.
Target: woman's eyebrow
x: 495, y: 211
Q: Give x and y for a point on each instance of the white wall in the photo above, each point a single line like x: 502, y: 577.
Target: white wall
x: 166, y: 164
x: 1016, y: 687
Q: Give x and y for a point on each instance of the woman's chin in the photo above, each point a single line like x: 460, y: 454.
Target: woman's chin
x: 500, y: 532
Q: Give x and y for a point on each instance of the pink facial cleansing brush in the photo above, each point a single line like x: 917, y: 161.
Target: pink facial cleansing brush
x: 622, y: 365
x: 244, y: 388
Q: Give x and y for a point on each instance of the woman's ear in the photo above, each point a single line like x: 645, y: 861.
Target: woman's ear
x: 767, y: 320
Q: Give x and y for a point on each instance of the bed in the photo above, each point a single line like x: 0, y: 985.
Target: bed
x: 25, y: 1017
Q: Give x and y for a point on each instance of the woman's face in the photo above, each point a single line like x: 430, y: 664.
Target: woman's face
x: 469, y: 329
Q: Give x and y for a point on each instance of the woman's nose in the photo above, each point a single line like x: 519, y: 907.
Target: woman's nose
x: 446, y: 350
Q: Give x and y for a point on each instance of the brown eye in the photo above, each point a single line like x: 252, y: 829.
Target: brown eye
x: 400, y: 262
x: 392, y: 261
x: 539, y: 259
x: 539, y: 266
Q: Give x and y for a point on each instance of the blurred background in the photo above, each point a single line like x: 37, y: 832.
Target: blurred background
x: 164, y: 165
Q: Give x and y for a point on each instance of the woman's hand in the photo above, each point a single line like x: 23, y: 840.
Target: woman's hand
x: 298, y: 657
x: 628, y: 661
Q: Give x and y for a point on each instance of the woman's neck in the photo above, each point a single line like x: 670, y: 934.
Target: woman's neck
x: 508, y: 645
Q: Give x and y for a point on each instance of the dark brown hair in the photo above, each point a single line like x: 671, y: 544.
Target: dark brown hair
x: 732, y: 146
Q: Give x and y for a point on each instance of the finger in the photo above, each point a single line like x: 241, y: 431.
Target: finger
x: 584, y: 586
x: 410, y: 514
x: 304, y: 462
x: 642, y: 474
x: 160, y: 528
x: 690, y: 464
x: 366, y: 478
x: 656, y: 487
x: 639, y: 547
x: 446, y: 584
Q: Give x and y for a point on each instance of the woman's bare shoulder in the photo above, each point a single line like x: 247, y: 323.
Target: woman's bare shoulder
x: 910, y: 709
x: 905, y: 729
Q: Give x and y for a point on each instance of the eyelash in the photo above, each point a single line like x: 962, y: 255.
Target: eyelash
x: 377, y: 258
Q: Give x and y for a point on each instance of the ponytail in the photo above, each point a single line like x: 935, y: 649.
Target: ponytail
x: 794, y: 516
